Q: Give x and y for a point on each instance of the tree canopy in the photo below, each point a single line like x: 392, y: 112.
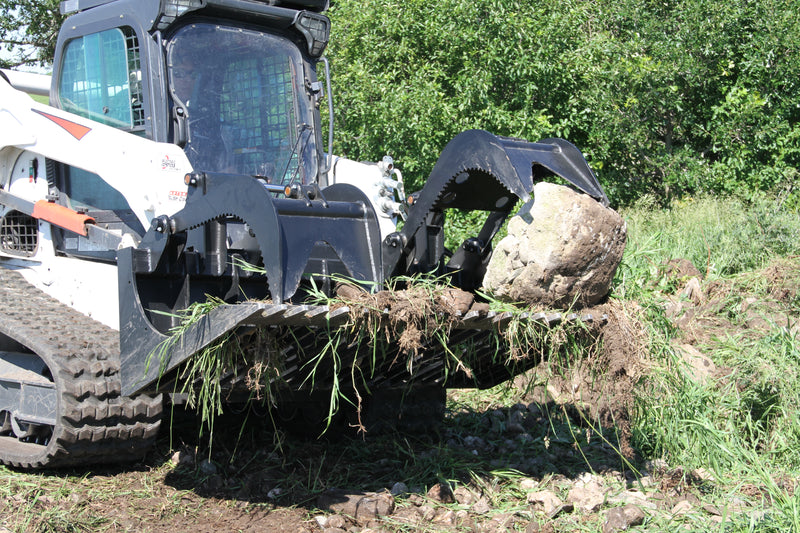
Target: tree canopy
x: 664, y: 97
x: 28, y: 31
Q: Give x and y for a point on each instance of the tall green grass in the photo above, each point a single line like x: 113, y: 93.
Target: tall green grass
x: 743, y: 425
x: 720, y: 236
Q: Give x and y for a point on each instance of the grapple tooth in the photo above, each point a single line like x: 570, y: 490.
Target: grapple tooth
x: 469, y: 319
x: 554, y: 319
x: 339, y: 316
x: 501, y: 321
x: 271, y: 314
x: 297, y: 315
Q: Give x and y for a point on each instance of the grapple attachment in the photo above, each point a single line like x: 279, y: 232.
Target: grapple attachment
x: 479, y: 171
x: 314, y: 238
x: 473, y: 349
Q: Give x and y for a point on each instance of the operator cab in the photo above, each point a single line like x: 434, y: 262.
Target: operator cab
x: 233, y: 83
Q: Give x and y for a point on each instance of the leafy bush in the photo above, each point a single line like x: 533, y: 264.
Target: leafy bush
x: 664, y: 98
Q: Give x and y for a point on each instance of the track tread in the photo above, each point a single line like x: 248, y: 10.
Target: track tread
x: 95, y: 424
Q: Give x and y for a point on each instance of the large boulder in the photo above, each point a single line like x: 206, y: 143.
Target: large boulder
x: 561, y: 251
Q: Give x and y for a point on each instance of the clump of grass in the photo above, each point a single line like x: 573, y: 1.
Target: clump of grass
x: 201, y: 378
x: 385, y: 328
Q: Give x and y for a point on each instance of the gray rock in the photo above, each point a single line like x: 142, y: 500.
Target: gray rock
x: 632, y: 497
x: 621, y: 518
x: 699, y: 366
x: 207, y: 467
x: 445, y: 517
x: 464, y: 496
x: 481, y: 506
x: 336, y: 521
x: 545, y: 500
x: 587, y: 497
x: 360, y: 506
x: 426, y: 512
x: 399, y: 488
x: 567, y: 255
x: 682, y: 507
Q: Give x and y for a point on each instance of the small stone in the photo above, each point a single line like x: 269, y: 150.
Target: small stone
x: 545, y: 500
x: 464, y: 496
x: 694, y: 292
x: 399, y: 488
x: 336, y: 521
x: 321, y: 520
x: 528, y: 484
x: 406, y: 515
x: 682, y: 507
x: 441, y: 493
x: 359, y: 505
x: 621, y: 518
x: 207, y: 467
x: 587, y: 498
x: 481, y: 506
x: 632, y: 497
x: 426, y: 512
x: 274, y: 493
x: 445, y: 517
x: 700, y: 367
x: 415, y: 499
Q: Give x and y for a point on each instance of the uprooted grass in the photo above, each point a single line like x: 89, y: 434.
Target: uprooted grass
x: 390, y: 327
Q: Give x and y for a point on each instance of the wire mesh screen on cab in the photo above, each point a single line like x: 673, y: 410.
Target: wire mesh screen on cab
x: 258, y: 117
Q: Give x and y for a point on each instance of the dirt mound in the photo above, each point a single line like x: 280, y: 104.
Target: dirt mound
x: 597, y: 380
x: 783, y: 279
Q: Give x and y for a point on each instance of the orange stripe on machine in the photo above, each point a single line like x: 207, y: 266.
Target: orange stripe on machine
x: 73, y: 128
x: 62, y: 217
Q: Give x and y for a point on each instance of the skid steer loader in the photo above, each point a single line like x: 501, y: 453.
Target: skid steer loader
x: 182, y: 158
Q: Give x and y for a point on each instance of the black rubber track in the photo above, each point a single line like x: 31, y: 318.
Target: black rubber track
x: 94, y: 424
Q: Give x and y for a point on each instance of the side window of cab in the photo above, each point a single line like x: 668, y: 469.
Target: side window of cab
x: 101, y: 79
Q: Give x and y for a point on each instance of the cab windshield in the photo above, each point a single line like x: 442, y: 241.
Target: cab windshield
x: 247, y: 110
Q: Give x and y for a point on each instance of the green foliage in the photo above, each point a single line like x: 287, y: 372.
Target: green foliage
x: 665, y: 98
x: 743, y: 423
x: 28, y: 31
